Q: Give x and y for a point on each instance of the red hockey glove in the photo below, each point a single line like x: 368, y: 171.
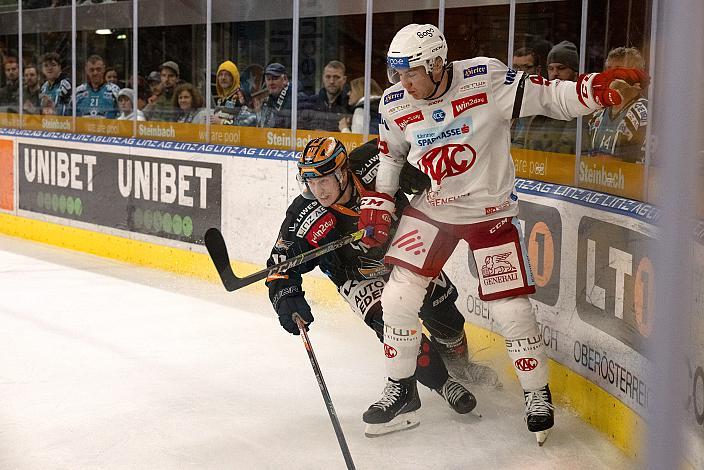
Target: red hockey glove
x: 606, y: 91
x: 375, y: 212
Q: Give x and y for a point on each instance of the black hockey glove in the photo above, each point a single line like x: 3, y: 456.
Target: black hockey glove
x: 412, y: 180
x: 290, y: 305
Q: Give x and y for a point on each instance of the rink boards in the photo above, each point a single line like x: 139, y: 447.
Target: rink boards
x: 150, y: 202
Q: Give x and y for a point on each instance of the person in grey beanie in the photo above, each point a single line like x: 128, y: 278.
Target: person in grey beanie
x: 563, y: 61
x: 553, y: 135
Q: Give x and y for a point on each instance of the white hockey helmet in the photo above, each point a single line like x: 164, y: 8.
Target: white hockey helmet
x: 415, y: 45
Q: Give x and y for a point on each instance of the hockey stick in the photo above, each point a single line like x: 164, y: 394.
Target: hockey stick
x: 217, y: 249
x: 326, y: 395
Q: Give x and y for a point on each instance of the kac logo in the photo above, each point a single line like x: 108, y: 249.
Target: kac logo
x: 439, y: 115
x: 526, y: 364
x: 389, y: 351
x: 448, y: 160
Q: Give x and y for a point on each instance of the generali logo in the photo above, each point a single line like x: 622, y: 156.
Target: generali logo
x: 403, y: 121
x: 448, y: 160
x: 497, y: 264
x: 468, y: 102
x: 526, y: 364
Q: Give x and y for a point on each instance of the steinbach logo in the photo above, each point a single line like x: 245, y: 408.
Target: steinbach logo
x: 473, y: 71
x: 403, y: 121
x: 526, y: 364
x: 463, y: 104
x: 395, y: 96
x: 448, y: 160
x: 410, y: 242
x: 389, y: 351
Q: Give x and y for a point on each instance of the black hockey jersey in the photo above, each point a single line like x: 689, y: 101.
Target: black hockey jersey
x: 308, y: 225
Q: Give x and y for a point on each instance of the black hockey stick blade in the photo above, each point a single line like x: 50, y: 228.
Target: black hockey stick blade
x: 217, y: 249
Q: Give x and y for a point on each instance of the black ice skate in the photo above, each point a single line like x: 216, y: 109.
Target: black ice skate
x: 454, y: 355
x: 540, y: 415
x: 395, y: 410
x: 457, y: 396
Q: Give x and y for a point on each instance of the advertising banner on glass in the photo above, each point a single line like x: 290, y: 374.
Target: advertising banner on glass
x: 171, y: 198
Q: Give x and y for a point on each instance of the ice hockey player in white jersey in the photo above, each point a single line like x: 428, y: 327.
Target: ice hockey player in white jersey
x: 451, y: 121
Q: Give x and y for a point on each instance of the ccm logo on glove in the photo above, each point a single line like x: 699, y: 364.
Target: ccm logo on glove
x: 375, y: 216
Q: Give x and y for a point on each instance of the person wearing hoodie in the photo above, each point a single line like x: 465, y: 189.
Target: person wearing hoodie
x: 356, y: 100
x: 125, y: 104
x: 230, y: 108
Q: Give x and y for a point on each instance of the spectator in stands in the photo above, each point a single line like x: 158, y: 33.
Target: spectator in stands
x: 620, y: 130
x: 189, y: 102
x: 276, y: 110
x: 325, y: 110
x: 525, y: 60
x: 553, y: 135
x: 125, y: 103
x: 111, y: 76
x: 356, y: 100
x: 10, y: 93
x: 230, y: 104
x: 57, y: 88
x: 31, y: 90
x: 164, y: 106
x: 96, y: 98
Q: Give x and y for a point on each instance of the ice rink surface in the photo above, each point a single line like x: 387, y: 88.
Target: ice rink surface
x: 104, y: 365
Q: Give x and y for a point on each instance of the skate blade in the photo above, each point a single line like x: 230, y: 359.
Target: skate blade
x: 399, y: 423
x: 541, y: 437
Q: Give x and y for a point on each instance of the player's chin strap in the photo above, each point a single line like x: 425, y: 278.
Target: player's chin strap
x: 447, y: 68
x: 346, y: 210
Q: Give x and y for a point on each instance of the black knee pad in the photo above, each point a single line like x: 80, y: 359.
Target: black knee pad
x: 439, y: 313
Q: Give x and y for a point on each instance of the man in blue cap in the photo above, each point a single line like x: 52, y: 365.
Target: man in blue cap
x: 276, y: 111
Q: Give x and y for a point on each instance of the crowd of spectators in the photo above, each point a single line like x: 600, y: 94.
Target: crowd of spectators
x: 261, y: 96
x: 257, y: 96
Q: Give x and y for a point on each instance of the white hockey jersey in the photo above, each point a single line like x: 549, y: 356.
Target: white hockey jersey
x: 462, y: 139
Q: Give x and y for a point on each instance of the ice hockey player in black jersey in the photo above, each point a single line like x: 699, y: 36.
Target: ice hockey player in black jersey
x: 331, y: 188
